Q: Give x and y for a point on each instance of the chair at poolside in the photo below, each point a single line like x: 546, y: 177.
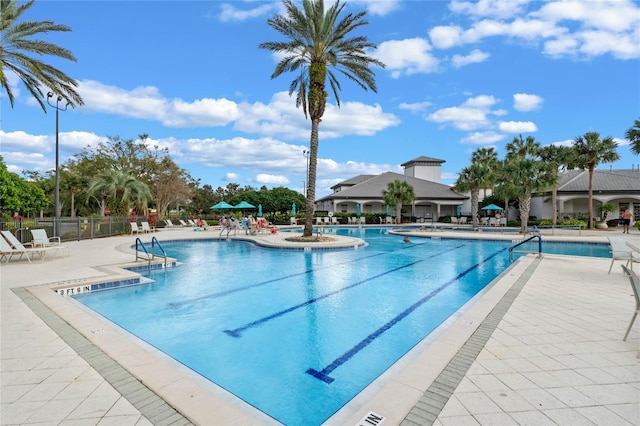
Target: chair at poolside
x: 388, y: 220
x: 7, y: 252
x: 146, y: 228
x: 334, y: 221
x: 192, y: 223
x: 634, y: 255
x: 635, y: 286
x: 619, y: 251
x: 169, y: 223
x: 503, y: 221
x: 134, y: 228
x: 463, y: 220
x: 363, y: 220
x: 41, y: 239
x: 183, y: 223
x: 293, y: 221
x: 454, y: 220
x: 318, y: 221
x: 493, y: 221
x: 326, y: 220
x: 17, y: 246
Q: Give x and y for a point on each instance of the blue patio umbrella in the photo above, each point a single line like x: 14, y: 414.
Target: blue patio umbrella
x: 293, y: 209
x: 358, y: 210
x: 388, y: 210
x: 221, y: 206
x: 244, y: 205
x: 491, y: 207
x: 259, y: 210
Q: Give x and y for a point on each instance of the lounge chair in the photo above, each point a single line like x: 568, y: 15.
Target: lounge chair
x: 463, y: 220
x: 318, y: 221
x: 619, y: 251
x: 146, y: 228
x: 17, y: 246
x: 41, y: 239
x: 635, y: 286
x: 634, y: 255
x: 454, y: 220
x: 205, y: 225
x: 334, y: 221
x: 326, y: 220
x: 362, y: 220
x: 134, y: 228
x: 169, y: 223
x: 7, y: 252
x: 388, y: 220
x: 293, y: 221
x: 183, y: 223
x: 503, y: 221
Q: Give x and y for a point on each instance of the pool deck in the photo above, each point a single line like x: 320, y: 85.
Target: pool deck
x: 541, y: 345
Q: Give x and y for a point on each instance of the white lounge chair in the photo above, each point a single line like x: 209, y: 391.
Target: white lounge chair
x: 334, y: 220
x: 134, y: 228
x: 41, y: 239
x: 146, y: 228
x: 326, y: 220
x: 183, y: 223
x: 463, y: 220
x: 635, y: 286
x: 293, y: 221
x: 619, y: 251
x: 363, y: 220
x: 634, y: 254
x: 192, y: 223
x: 169, y: 223
x: 318, y: 221
x: 388, y: 220
x: 454, y: 220
x: 7, y: 252
x: 17, y: 246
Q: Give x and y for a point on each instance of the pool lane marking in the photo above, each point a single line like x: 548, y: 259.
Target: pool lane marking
x: 237, y: 289
x: 324, y: 373
x: 236, y: 331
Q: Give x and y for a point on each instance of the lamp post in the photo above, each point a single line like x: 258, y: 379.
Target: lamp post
x: 56, y: 222
x: 306, y: 154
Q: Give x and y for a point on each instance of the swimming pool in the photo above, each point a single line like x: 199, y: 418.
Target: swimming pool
x: 298, y: 334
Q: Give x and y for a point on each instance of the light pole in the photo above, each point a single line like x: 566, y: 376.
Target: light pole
x: 306, y: 154
x: 56, y: 221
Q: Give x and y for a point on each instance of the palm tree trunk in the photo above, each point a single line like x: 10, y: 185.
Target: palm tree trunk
x: 399, y: 213
x: 554, y: 205
x: 311, y: 184
x: 590, y: 197
x: 525, y: 208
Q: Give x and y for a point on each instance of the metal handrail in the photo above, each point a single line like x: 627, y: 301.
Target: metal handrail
x: 538, y: 236
x: 149, y: 257
x: 155, y: 242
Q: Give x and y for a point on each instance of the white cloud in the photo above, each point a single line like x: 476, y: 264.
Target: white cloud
x: 414, y: 107
x: 444, y: 37
x: 475, y: 56
x: 501, y: 9
x: 514, y: 127
x: 406, y: 57
x: 231, y: 177
x: 271, y: 179
x: 527, y: 102
x: 230, y: 13
x: 472, y: 114
x: 482, y: 138
x: 378, y: 7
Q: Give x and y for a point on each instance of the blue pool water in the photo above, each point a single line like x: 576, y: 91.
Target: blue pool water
x: 298, y: 334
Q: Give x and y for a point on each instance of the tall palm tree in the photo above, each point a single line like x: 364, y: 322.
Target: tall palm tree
x: 470, y: 180
x: 398, y: 193
x: 319, y: 41
x: 557, y: 157
x: 590, y: 151
x: 120, y: 187
x: 16, y: 46
x: 487, y: 159
x: 633, y: 136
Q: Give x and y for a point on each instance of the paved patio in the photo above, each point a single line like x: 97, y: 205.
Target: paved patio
x: 542, y: 345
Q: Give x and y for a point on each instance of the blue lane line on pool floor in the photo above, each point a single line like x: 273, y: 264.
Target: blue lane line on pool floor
x: 237, y: 289
x: 324, y: 373
x: 236, y: 331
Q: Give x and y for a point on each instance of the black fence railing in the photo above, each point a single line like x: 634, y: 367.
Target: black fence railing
x: 72, y: 228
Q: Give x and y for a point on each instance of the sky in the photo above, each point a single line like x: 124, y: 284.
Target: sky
x: 459, y: 76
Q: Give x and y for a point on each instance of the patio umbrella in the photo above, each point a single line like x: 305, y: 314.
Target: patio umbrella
x: 221, y: 206
x: 388, y: 210
x: 491, y: 207
x: 244, y: 205
x: 293, y: 209
x: 358, y: 210
x: 259, y: 210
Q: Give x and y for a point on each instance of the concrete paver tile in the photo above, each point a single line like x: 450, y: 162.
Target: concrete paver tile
x: 602, y: 416
x: 630, y: 412
x: 571, y: 397
x: 130, y: 420
x: 532, y: 418
x: 541, y: 399
x: 488, y: 382
x: 11, y: 394
x: 568, y: 416
x: 458, y: 421
x: 93, y: 407
x: 510, y: 401
x: 454, y: 408
x: 54, y: 411
x: 478, y: 403
x: 494, y: 419
x: 43, y: 392
x: 18, y: 412
x: 618, y: 393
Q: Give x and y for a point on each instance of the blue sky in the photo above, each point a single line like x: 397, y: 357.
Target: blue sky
x: 459, y: 76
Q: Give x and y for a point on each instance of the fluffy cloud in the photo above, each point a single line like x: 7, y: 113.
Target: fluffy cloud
x: 406, y: 57
x: 515, y: 127
x: 475, y: 56
x: 472, y: 114
x: 526, y: 102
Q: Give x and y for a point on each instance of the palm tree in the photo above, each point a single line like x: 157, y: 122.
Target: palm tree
x: 398, y: 192
x: 120, y: 187
x: 557, y: 157
x: 317, y: 42
x: 487, y: 159
x: 633, y: 136
x: 16, y: 46
x: 470, y: 180
x: 590, y: 150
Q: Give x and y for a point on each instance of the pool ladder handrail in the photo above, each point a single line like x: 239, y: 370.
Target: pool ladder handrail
x: 536, y: 235
x: 152, y: 255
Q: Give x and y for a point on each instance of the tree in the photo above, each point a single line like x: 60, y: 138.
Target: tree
x: 19, y: 195
x: 17, y: 46
x: 398, y: 192
x: 122, y: 188
x: 557, y: 157
x: 487, y: 159
x: 470, y: 180
x: 317, y: 43
x: 633, y: 136
x: 590, y: 150
x: 524, y: 174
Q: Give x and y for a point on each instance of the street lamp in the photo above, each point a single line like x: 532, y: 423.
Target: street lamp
x: 56, y: 222
x: 306, y: 154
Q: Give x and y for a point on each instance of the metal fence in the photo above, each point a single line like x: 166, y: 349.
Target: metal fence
x: 72, y: 228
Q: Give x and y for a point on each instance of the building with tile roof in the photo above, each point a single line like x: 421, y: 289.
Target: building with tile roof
x: 433, y: 199
x: 618, y: 187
